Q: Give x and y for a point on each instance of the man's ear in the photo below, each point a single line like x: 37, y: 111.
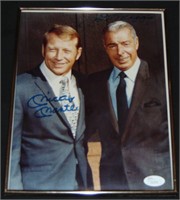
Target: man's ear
x: 79, y: 52
x: 137, y: 43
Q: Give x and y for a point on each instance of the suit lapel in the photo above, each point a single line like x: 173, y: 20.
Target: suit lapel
x: 80, y: 80
x: 113, y: 117
x: 139, y: 89
x: 108, y: 102
x: 81, y: 118
x: 43, y: 85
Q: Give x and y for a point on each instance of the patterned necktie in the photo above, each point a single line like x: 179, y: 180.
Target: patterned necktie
x: 69, y: 108
x: 122, y: 106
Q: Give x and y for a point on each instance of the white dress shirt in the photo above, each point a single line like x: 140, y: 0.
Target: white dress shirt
x: 130, y: 78
x: 54, y: 80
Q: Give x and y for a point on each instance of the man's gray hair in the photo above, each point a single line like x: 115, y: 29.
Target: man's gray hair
x: 117, y: 25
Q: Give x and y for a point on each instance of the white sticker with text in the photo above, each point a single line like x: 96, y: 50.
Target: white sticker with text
x: 154, y: 180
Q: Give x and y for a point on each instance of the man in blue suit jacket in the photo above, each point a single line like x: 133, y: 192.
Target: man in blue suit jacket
x: 48, y: 151
x: 135, y: 153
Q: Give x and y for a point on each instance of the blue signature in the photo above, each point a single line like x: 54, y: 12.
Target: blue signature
x: 40, y: 102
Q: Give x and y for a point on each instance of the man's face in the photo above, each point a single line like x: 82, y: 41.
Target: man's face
x: 121, y: 48
x: 60, y: 54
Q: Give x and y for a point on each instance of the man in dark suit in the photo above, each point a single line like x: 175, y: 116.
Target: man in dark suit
x: 128, y: 107
x: 48, y: 151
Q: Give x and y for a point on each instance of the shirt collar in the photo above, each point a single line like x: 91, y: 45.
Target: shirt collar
x: 131, y: 73
x: 50, y: 76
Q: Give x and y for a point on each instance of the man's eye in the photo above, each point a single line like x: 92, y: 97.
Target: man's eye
x: 67, y: 51
x: 126, y: 44
x: 112, y: 46
x: 52, y: 50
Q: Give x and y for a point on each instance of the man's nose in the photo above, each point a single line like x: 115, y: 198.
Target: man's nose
x: 59, y: 55
x: 120, y: 49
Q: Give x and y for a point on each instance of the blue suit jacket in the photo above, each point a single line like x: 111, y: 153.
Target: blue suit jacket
x: 44, y: 153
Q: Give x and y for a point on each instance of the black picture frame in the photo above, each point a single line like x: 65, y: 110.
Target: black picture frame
x: 7, y: 103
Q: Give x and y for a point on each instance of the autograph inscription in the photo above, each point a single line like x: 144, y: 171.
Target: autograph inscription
x: 39, y: 103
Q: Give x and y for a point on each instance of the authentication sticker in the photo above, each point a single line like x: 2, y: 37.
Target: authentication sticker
x: 154, y: 181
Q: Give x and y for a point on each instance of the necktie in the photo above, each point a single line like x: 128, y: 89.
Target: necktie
x: 122, y: 106
x: 69, y: 108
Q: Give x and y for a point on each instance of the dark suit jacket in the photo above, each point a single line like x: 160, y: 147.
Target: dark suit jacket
x: 44, y: 153
x: 129, y: 160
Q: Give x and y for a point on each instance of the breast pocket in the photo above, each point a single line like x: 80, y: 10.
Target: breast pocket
x: 152, y: 112
x: 152, y: 103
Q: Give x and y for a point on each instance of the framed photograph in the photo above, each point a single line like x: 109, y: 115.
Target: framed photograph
x: 43, y: 155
